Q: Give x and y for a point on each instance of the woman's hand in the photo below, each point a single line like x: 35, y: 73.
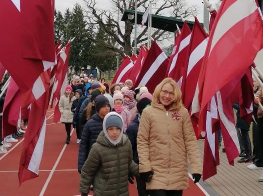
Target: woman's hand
x: 146, y: 176
x: 196, y: 177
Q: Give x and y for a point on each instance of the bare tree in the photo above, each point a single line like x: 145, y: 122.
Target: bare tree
x: 122, y: 36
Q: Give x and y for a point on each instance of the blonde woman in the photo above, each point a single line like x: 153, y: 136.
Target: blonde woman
x: 165, y: 140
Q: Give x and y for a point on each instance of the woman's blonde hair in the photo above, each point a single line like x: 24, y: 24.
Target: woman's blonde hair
x: 177, y: 102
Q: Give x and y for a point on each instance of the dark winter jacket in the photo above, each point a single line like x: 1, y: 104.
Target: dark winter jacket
x: 241, y: 123
x: 132, y: 132
x: 89, y: 135
x: 84, y: 105
x: 83, y: 119
x: 107, y: 168
x: 76, y: 114
x: 78, y: 86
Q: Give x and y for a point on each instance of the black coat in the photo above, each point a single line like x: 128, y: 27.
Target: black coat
x: 132, y: 132
x: 89, y: 135
x: 76, y: 114
x: 241, y: 123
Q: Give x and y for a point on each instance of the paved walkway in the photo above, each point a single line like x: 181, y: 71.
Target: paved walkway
x: 232, y: 181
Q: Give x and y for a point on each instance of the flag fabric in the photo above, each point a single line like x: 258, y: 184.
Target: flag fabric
x: 177, y: 62
x: 196, y: 52
x: 238, y: 25
x: 61, y: 74
x: 145, y: 16
x: 154, y: 68
x: 2, y: 72
x: 133, y: 58
x: 176, y: 42
x: 134, y: 72
x: 26, y: 39
x: 212, y: 19
x: 122, y: 73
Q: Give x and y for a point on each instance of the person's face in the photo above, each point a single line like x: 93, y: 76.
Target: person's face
x: 127, y: 98
x: 167, y: 94
x: 117, y: 88
x: 104, y: 111
x: 118, y: 102
x: 86, y: 80
x: 113, y: 132
x: 77, y: 82
x: 68, y: 91
x: 129, y: 85
x: 77, y: 95
x: 255, y: 83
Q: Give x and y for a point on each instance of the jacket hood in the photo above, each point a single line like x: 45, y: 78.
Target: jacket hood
x: 104, y: 140
x: 118, y: 140
x: 96, y: 117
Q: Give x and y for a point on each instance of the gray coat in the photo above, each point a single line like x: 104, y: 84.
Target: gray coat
x: 65, y: 109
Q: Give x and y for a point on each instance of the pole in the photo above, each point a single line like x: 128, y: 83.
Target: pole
x: 150, y: 26
x: 135, y: 30
x: 206, y: 17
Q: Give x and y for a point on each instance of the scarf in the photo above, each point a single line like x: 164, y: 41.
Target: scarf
x: 129, y: 104
x: 118, y: 109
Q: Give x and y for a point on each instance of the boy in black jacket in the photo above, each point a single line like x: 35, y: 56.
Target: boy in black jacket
x: 132, y: 132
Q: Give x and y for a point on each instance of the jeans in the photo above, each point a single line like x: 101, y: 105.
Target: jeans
x: 166, y: 193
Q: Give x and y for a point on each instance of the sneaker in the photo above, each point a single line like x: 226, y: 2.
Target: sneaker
x: 244, y: 160
x: 260, y: 179
x: 17, y: 135
x: 2, y: 150
x: 243, y: 154
x: 7, y: 145
x: 223, y: 150
x: 10, y: 139
x: 253, y: 167
x: 78, y: 141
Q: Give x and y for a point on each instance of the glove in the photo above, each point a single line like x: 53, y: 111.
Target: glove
x: 146, y: 176
x: 196, y: 177
x: 130, y: 178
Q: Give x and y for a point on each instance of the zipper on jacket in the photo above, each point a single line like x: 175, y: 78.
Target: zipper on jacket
x: 169, y: 145
x: 118, y: 171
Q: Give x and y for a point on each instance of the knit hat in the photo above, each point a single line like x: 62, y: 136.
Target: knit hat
x: 79, y: 91
x: 128, y: 81
x: 146, y: 95
x: 109, y: 97
x: 124, y: 89
x: 68, y: 88
x: 113, y: 119
x: 100, y: 102
x: 130, y: 94
x: 94, y: 94
x: 95, y: 85
x: 117, y: 95
x: 143, y: 103
x: 143, y: 89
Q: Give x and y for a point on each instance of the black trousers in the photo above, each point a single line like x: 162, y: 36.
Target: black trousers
x: 166, y: 193
x: 1, y: 139
x: 258, y: 156
x: 78, y: 131
x: 141, y: 187
x: 68, y: 128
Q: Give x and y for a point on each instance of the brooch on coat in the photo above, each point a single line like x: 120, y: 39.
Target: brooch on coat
x: 176, y: 116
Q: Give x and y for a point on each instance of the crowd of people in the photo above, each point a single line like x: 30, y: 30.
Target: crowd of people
x: 125, y: 132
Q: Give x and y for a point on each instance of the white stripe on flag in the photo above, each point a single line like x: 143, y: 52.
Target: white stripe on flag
x: 184, y: 43
x: 145, y: 15
x: 250, y: 109
x: 230, y: 127
x: 195, y: 103
x: 124, y: 71
x: 48, y: 64
x: 211, y: 137
x: 17, y: 4
x: 63, y: 55
x: 196, y: 55
x: 239, y: 10
x: 38, y: 88
x: 154, y: 67
x: 38, y: 151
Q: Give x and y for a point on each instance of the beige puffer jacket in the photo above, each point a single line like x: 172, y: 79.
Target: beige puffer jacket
x: 65, y: 109
x: 165, y: 139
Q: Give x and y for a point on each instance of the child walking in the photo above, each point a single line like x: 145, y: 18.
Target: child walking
x: 110, y: 163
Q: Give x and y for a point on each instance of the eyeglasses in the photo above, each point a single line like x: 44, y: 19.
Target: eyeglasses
x: 165, y: 92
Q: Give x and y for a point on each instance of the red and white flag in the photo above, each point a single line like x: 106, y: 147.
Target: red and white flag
x: 123, y: 72
x: 238, y: 25
x: 145, y: 16
x: 154, y: 68
x: 134, y: 72
x: 196, y: 52
x: 177, y: 62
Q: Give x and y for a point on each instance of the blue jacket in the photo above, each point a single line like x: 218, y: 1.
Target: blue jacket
x: 89, y: 135
x: 132, y: 132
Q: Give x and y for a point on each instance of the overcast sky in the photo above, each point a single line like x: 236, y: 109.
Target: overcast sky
x: 62, y: 5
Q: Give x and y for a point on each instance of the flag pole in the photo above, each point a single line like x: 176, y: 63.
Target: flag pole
x: 257, y: 78
x: 135, y: 30
x: 150, y: 25
x: 259, y: 72
x: 5, y: 87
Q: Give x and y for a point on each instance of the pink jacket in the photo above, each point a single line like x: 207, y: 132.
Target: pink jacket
x: 126, y: 116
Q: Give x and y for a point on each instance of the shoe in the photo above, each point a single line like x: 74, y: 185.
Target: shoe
x: 260, y: 179
x: 253, y: 167
x: 78, y: 141
x: 21, y: 130
x: 223, y: 150
x: 10, y: 139
x: 244, y: 160
x: 17, y: 135
x: 2, y: 150
x: 7, y: 145
x: 242, y: 154
x: 67, y: 140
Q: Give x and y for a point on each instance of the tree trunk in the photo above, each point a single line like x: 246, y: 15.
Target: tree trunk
x: 127, y: 38
x: 109, y: 75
